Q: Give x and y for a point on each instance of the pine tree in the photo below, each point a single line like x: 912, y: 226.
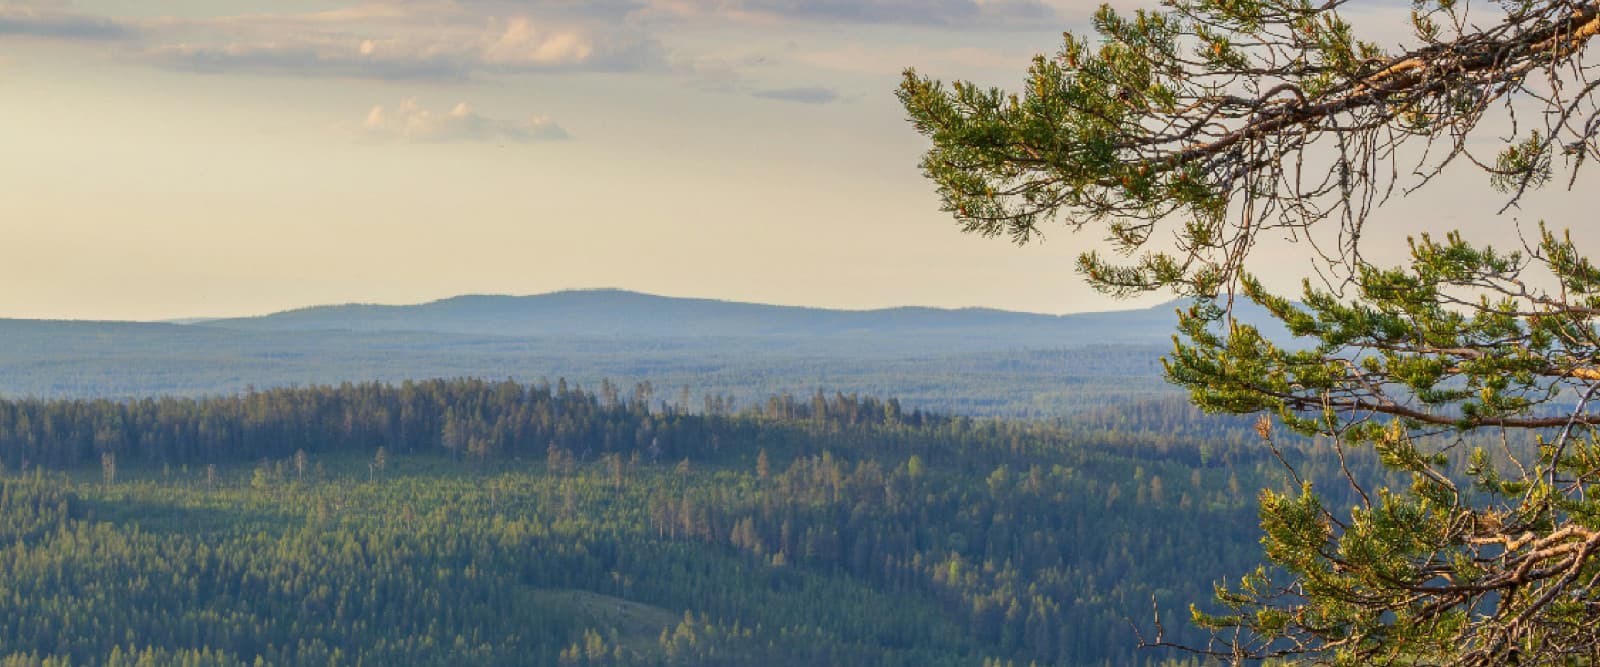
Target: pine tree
x: 108, y: 468
x: 1470, y: 370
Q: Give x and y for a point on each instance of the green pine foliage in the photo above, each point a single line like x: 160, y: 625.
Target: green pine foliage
x: 1484, y: 553
x: 1189, y: 134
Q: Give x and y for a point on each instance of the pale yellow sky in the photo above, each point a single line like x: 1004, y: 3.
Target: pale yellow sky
x: 233, y: 158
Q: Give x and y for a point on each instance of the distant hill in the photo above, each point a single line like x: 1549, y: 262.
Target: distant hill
x: 971, y: 361
x: 619, y: 313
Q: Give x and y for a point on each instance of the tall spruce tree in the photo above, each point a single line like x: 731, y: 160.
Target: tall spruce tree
x: 1218, y: 123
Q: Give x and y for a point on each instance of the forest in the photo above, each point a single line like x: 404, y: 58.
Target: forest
x: 477, y: 522
x: 1369, y: 440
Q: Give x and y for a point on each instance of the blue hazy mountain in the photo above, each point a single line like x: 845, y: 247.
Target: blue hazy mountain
x: 974, y: 361
x: 618, y: 313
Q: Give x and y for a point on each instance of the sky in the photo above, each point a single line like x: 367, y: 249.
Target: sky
x: 186, y: 158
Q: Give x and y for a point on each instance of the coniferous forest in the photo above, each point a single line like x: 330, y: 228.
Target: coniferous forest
x: 464, y: 521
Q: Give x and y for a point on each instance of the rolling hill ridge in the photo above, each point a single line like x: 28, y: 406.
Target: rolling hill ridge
x: 971, y: 361
x: 611, y: 312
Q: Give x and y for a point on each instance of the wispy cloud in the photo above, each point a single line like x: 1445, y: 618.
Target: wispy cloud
x: 800, y: 94
x: 303, y: 60
x: 411, y: 122
x: 953, y: 13
x: 462, y: 40
x: 380, y: 42
x: 732, y: 76
x: 893, y: 59
x: 54, y: 22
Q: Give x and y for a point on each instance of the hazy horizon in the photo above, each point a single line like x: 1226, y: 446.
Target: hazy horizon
x: 1126, y: 305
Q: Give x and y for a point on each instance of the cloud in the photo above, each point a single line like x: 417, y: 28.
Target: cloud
x: 381, y: 39
x: 305, y: 60
x: 382, y: 43
x: 465, y: 40
x: 52, y: 23
x: 800, y: 94
x: 891, y: 60
x: 411, y: 122
x: 948, y: 13
x: 724, y: 75
x: 930, y: 12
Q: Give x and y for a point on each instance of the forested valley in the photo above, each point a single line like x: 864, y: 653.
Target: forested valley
x: 466, y: 521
